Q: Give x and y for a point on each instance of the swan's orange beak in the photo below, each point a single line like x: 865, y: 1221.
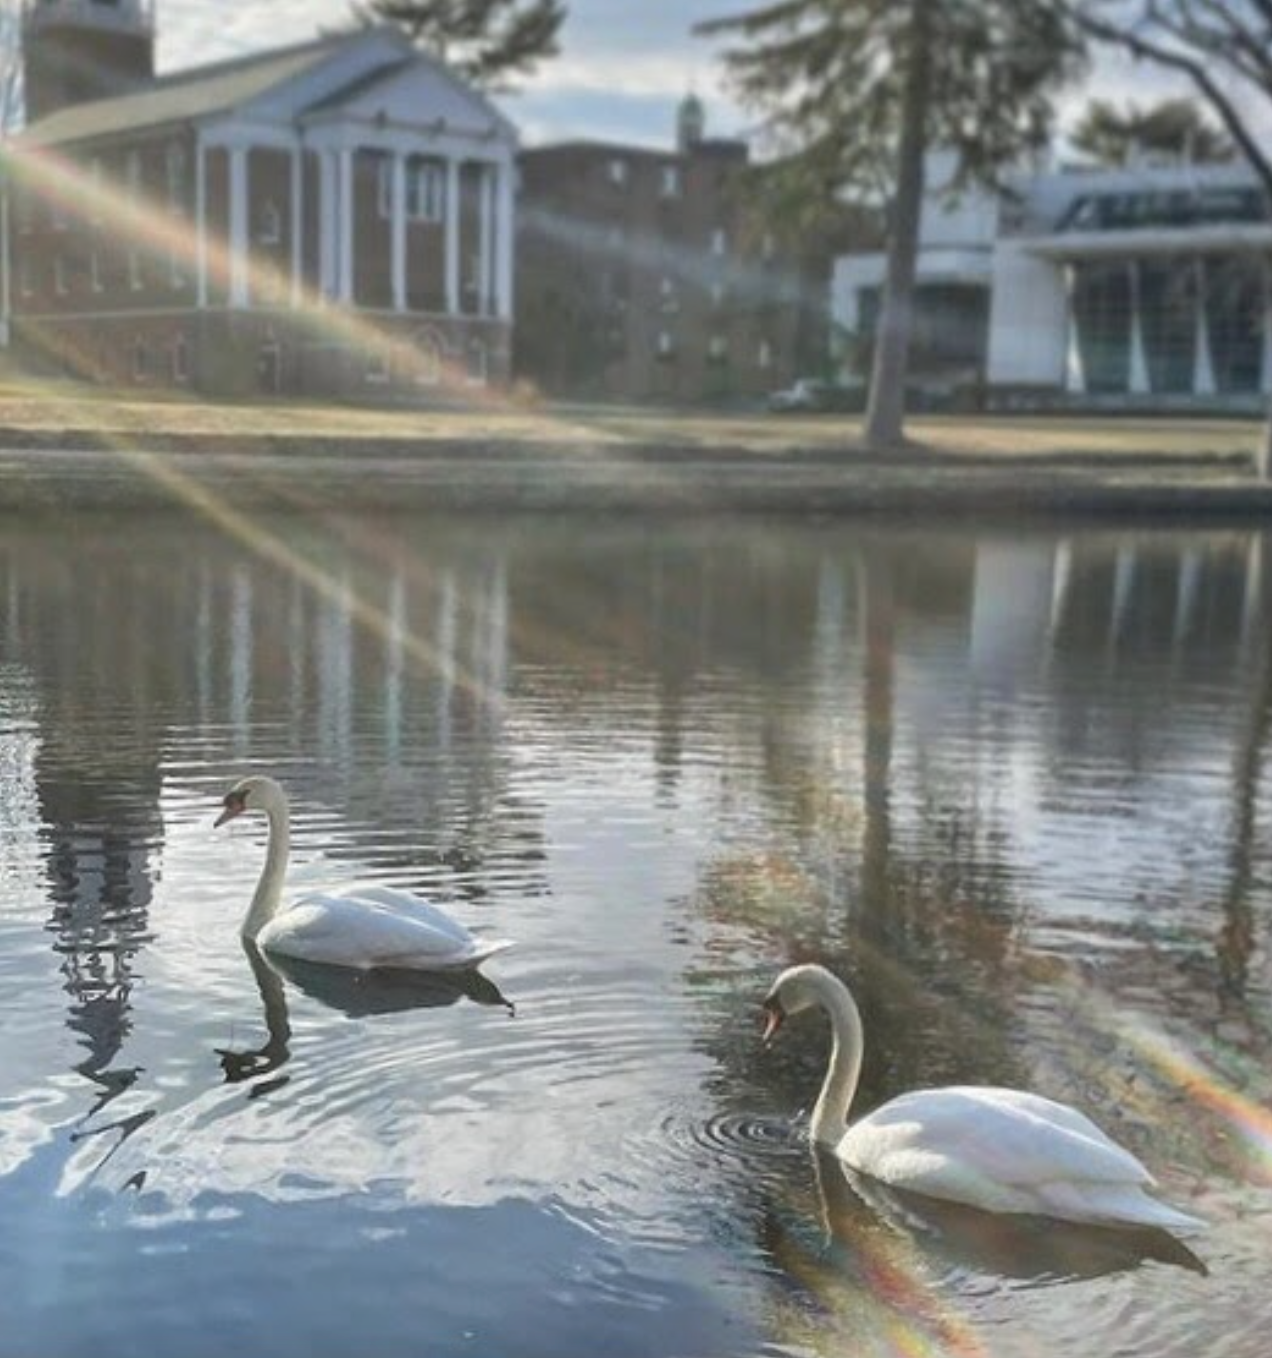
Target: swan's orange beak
x: 234, y: 805
x: 774, y: 1014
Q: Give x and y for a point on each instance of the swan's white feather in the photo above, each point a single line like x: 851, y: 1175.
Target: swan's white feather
x: 374, y: 927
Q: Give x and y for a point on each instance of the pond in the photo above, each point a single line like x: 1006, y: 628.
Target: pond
x: 1012, y: 786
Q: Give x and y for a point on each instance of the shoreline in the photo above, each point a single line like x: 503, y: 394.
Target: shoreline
x: 473, y: 474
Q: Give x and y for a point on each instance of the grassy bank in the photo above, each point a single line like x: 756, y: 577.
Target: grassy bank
x: 74, y: 416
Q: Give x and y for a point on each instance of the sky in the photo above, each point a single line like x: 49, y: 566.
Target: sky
x: 624, y: 64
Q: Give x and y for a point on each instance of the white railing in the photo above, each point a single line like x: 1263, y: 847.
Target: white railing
x: 125, y: 16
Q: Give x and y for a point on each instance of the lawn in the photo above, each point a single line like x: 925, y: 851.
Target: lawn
x: 95, y: 413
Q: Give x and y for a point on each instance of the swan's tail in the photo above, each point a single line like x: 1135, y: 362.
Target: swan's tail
x: 1130, y: 1206
x: 478, y: 952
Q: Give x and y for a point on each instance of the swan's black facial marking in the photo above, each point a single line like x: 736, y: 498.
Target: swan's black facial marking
x: 234, y: 804
x: 774, y: 1017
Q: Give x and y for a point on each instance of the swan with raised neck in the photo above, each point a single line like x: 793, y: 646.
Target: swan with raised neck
x: 261, y: 793
x: 999, y: 1150
x: 810, y: 987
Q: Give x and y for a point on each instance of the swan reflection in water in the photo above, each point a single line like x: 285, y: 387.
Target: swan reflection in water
x: 356, y: 994
x: 865, y: 1222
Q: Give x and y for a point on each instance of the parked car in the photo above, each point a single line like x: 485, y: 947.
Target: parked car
x: 812, y: 394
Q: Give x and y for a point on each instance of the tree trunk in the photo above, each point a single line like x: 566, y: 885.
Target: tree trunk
x: 885, y: 415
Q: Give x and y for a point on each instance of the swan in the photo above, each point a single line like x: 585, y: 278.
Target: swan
x: 999, y: 1150
x: 367, y: 927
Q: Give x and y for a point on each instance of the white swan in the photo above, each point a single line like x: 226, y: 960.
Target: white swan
x: 1000, y: 1150
x: 367, y: 927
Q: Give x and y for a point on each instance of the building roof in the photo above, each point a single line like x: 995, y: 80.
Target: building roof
x: 183, y: 96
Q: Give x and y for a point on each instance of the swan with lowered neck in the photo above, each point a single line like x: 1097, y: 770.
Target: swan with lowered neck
x: 366, y: 928
x: 1001, y: 1150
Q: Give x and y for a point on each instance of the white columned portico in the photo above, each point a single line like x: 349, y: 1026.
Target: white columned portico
x: 398, y: 213
x: 452, y: 235
x: 201, y: 222
x: 240, y: 261
x: 345, y: 202
x: 297, y: 223
x: 504, y: 241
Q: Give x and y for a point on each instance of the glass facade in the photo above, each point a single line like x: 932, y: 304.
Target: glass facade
x: 1235, y: 317
x: 1199, y: 323
x: 1168, y: 322
x: 1102, y: 297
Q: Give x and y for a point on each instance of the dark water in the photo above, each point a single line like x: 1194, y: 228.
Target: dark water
x: 1013, y: 788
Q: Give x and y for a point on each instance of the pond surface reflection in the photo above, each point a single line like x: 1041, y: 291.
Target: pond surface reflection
x: 1012, y: 786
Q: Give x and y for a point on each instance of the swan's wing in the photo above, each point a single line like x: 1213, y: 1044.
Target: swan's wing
x: 987, y: 1146
x: 357, y: 931
x: 410, y: 906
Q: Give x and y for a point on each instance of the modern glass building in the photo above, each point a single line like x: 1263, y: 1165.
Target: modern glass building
x: 1142, y: 287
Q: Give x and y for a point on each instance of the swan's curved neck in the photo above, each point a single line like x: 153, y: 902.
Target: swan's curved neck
x: 269, y: 890
x: 830, y: 1116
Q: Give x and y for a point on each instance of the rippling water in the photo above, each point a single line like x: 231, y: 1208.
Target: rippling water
x: 1012, y: 787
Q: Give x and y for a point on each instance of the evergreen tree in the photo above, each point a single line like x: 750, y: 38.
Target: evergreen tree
x: 1177, y: 128
x: 856, y: 91
x: 488, y: 41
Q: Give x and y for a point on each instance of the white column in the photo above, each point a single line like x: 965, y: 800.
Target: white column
x: 452, y: 236
x: 345, y: 197
x: 398, y: 211
x: 1203, y: 365
x: 1074, y: 374
x: 201, y: 221
x: 4, y: 265
x: 1139, y: 383
x: 326, y: 224
x: 297, y: 223
x: 505, y: 233
x: 239, y: 258
x: 1265, y: 378
x: 485, y: 246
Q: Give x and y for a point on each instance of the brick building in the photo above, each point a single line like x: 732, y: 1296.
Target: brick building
x: 332, y: 217
x: 645, y: 275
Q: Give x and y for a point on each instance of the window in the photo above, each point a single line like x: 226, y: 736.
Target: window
x: 718, y: 348
x: 671, y: 181
x: 765, y: 356
x: 269, y: 230
x: 95, y: 267
x: 617, y: 171
x: 24, y: 276
x: 136, y: 279
x: 426, y: 192
x: 428, y: 366
x: 475, y: 361
x: 180, y: 360
x: 376, y: 371
x: 666, y: 344
x: 57, y: 214
x: 719, y: 241
x: 134, y: 174
x: 59, y: 275
x: 176, y: 270
x: 718, y: 294
x: 175, y: 167
x: 384, y: 186
x: 140, y: 359
x: 670, y: 300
